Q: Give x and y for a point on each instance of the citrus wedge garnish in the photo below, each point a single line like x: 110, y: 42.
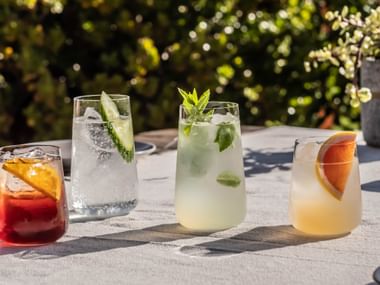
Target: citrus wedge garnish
x: 37, y: 174
x: 334, y: 162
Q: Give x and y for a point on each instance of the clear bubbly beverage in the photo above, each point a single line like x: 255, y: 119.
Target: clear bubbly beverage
x: 103, y: 175
x: 325, y: 196
x: 210, y: 186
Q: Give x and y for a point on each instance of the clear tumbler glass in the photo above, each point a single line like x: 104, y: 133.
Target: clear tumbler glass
x: 325, y: 195
x: 103, y: 169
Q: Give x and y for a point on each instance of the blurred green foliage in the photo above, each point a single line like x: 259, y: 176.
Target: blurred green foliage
x: 247, y: 51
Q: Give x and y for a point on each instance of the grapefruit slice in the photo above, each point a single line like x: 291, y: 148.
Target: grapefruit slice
x: 334, y: 162
x: 37, y: 174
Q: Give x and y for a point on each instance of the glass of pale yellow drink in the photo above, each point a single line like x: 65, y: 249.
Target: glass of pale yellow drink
x: 210, y: 186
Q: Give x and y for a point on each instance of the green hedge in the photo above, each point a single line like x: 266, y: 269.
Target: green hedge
x: 251, y: 52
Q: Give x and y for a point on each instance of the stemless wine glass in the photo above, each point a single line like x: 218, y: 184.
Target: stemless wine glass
x: 33, y: 207
x: 210, y: 187
x: 325, y: 195
x: 103, y: 169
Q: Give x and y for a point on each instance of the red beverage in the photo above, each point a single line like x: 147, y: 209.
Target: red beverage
x: 30, y: 218
x: 33, y: 207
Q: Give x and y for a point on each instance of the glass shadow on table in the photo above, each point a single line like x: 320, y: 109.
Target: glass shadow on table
x: 373, y: 186
x: 266, y: 160
x: 83, y: 245
x: 257, y: 239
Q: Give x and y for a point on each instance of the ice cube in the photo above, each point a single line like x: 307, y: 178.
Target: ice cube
x: 219, y: 118
x: 91, y: 114
x: 5, y: 156
x: 14, y: 184
x: 96, y: 134
x: 307, y: 152
x: 36, y: 152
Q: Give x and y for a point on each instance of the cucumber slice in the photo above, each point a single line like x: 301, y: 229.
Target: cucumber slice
x: 119, y: 129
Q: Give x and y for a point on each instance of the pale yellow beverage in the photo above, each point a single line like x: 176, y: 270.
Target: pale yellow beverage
x: 210, y: 187
x: 325, y: 196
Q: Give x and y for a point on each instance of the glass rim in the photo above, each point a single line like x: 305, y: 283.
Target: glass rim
x: 11, y: 148
x: 219, y: 105
x: 319, y: 164
x: 92, y: 97
x: 320, y: 140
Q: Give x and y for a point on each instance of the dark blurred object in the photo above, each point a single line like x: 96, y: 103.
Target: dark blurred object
x: 376, y: 275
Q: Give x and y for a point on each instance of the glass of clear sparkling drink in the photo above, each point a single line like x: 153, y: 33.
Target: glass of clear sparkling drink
x: 103, y: 169
x: 210, y: 186
x: 325, y: 195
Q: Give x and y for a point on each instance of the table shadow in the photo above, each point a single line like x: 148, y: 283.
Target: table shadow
x: 373, y: 186
x: 368, y: 154
x: 265, y: 161
x: 84, y: 245
x: 257, y: 239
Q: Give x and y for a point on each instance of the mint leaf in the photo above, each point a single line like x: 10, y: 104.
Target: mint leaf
x: 228, y: 179
x: 208, y: 115
x: 225, y: 136
x: 203, y: 101
x: 183, y: 94
x: 194, y: 97
x: 187, y: 130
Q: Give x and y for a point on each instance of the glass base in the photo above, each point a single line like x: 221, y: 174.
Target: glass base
x: 322, y: 235
x: 6, y: 244
x: 199, y: 227
x: 100, y: 212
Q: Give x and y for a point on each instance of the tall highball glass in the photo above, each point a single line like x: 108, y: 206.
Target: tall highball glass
x: 210, y: 186
x: 103, y: 170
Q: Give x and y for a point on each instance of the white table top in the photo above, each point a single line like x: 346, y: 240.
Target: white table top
x: 149, y: 247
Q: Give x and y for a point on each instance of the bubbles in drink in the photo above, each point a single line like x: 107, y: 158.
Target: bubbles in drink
x: 101, y: 178
x: 96, y: 135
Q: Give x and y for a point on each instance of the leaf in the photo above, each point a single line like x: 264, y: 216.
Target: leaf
x: 228, y: 179
x: 208, y: 115
x: 194, y: 97
x: 188, y: 107
x: 225, y: 136
x: 231, y: 108
x: 183, y: 94
x: 203, y: 101
x: 187, y: 130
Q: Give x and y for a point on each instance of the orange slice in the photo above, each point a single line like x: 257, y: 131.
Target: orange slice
x: 334, y: 162
x: 37, y: 174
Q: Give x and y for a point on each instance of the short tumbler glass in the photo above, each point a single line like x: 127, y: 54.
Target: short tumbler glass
x: 325, y: 197
x: 33, y: 208
x: 103, y: 179
x: 210, y: 186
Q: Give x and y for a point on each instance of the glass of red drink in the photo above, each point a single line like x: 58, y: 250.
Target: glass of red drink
x: 33, y: 208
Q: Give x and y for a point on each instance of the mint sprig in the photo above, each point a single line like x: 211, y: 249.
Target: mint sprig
x: 194, y: 107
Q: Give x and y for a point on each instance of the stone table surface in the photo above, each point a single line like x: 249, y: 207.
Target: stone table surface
x: 149, y: 247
